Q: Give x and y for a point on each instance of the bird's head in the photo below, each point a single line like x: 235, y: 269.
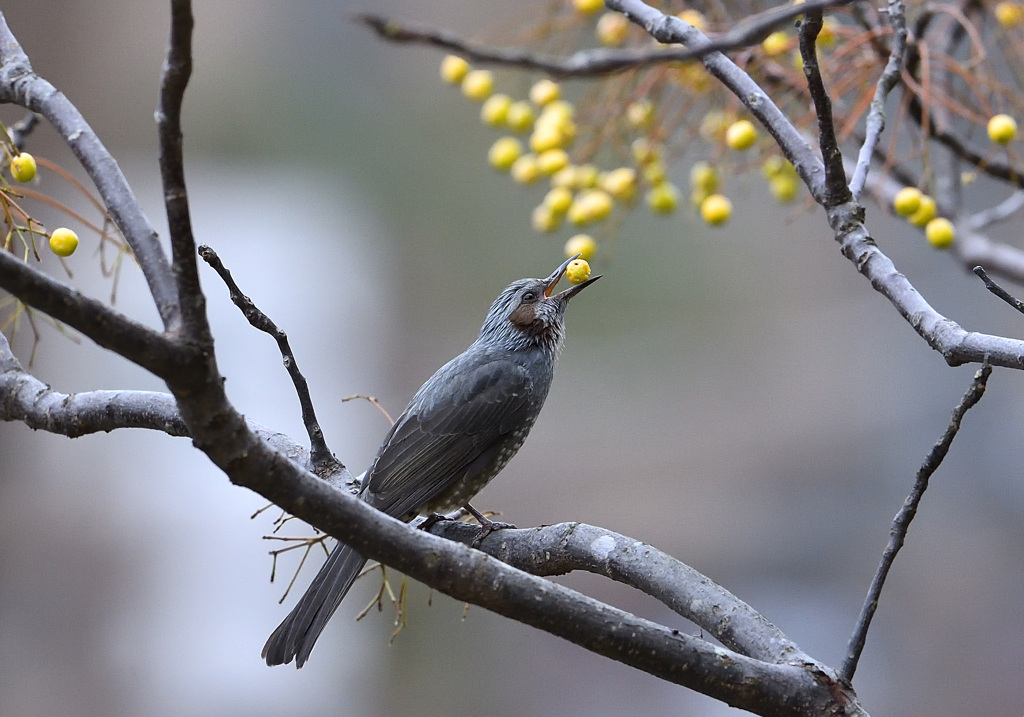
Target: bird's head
x: 529, y: 314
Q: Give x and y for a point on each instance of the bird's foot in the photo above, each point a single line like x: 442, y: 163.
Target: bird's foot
x: 487, y: 526
x: 431, y: 520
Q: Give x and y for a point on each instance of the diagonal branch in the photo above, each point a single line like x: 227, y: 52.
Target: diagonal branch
x: 875, y: 122
x: 901, y: 523
x: 104, y: 325
x: 324, y: 461
x: 594, y: 62
x: 20, y: 85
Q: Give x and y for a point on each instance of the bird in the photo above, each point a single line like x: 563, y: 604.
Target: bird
x: 459, y: 430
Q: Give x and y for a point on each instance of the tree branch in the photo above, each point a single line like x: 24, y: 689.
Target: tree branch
x: 324, y: 461
x: 875, y: 122
x: 21, y: 86
x: 901, y: 523
x: 173, y: 81
x: 563, y: 548
x: 594, y: 62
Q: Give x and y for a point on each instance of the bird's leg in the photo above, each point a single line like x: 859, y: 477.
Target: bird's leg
x: 487, y: 526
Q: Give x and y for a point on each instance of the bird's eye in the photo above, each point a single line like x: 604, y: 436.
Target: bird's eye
x: 530, y: 296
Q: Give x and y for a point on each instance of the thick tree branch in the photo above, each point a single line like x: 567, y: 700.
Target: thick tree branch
x: 901, y: 523
x: 563, y: 548
x: 21, y: 86
x: 173, y: 81
x: 107, y: 327
x: 594, y: 62
x: 836, y: 189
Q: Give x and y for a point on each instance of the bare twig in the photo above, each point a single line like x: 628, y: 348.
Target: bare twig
x: 590, y: 63
x: 901, y: 523
x: 998, y: 290
x: 890, y: 76
x: 324, y: 462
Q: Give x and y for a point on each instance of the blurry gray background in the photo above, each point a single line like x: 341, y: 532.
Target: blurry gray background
x: 737, y: 397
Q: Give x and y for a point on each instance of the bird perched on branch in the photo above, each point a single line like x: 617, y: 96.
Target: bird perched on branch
x: 460, y: 429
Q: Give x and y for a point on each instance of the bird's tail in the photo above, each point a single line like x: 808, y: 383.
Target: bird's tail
x: 295, y: 636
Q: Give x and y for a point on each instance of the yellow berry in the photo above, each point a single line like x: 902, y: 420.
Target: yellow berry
x: 640, y: 114
x: 663, y: 198
x: 1009, y: 14
x: 655, y: 172
x: 776, y: 43
x: 703, y: 177
x: 552, y: 160
x: 620, y: 183
x: 612, y: 29
x: 694, y: 18
x: 783, y: 187
x: 713, y: 126
x: 565, y: 177
x: 940, y: 233
x: 558, y: 199
x: 590, y: 205
x: 1002, y: 129
x: 716, y: 210
x: 544, y: 219
x: 582, y: 244
x: 907, y: 201
x: 478, y: 85
x: 504, y: 153
x: 545, y: 137
x: 519, y: 116
x: 544, y: 92
x: 925, y: 212
x: 23, y: 167
x: 63, y: 242
x: 578, y: 271
x: 587, y: 7
x: 524, y: 170
x: 495, y: 109
x: 773, y: 166
x: 453, y: 69
x: 586, y: 176
x: 827, y: 34
x: 643, y: 151
x: 741, y: 135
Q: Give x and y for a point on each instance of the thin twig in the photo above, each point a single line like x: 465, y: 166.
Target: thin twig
x: 323, y: 460
x: 998, y: 290
x: 875, y: 122
x: 901, y: 523
x: 594, y: 62
x: 21, y: 129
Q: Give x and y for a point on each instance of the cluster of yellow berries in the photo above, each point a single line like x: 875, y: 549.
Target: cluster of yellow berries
x: 919, y: 209
x: 63, y: 241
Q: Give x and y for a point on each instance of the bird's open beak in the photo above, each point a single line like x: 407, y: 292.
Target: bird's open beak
x: 553, y: 280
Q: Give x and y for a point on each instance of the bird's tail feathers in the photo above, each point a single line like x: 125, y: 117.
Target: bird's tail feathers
x: 295, y: 636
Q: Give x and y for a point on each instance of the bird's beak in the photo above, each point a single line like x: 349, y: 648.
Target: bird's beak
x: 553, y: 280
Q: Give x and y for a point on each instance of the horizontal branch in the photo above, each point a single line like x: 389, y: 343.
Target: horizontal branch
x: 597, y: 61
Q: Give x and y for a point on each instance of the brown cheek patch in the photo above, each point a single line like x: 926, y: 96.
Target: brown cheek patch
x: 523, y: 316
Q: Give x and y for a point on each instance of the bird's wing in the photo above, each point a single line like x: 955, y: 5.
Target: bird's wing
x: 455, y: 425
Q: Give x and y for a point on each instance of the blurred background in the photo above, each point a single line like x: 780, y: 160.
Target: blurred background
x: 738, y: 397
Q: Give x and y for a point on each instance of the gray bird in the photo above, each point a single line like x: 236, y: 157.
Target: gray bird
x: 460, y: 429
